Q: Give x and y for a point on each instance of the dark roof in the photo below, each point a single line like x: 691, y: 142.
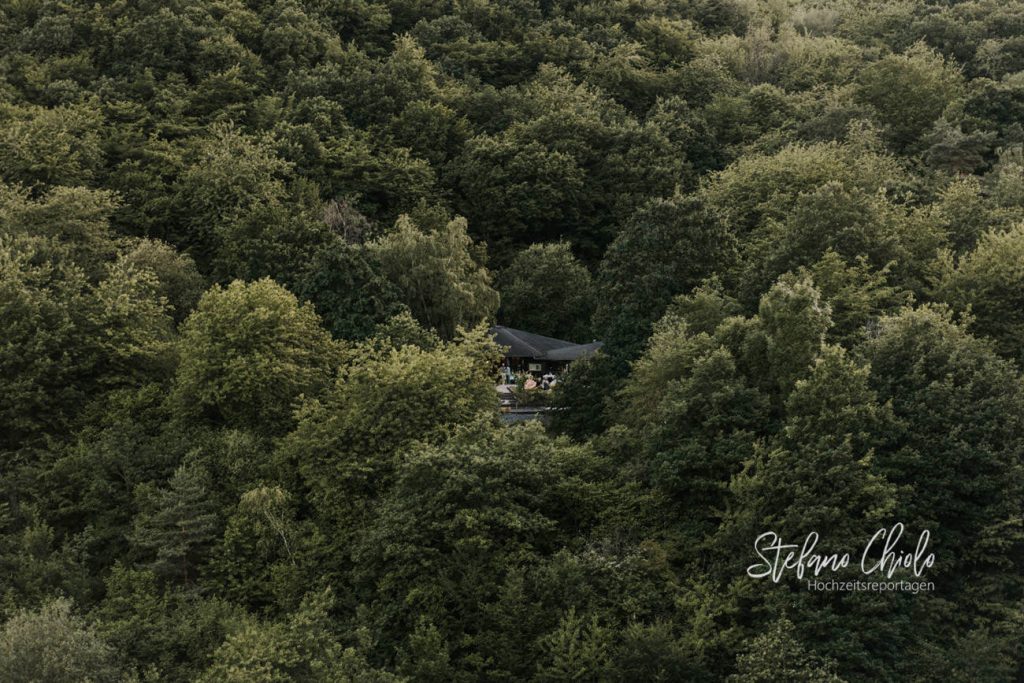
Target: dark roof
x: 523, y: 344
x: 572, y: 352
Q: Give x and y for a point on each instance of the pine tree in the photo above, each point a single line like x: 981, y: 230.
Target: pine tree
x: 177, y: 525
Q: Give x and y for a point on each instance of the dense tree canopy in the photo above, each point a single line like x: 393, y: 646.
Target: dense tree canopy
x: 546, y: 290
x: 249, y: 252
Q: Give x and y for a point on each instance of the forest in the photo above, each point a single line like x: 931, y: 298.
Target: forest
x: 250, y: 251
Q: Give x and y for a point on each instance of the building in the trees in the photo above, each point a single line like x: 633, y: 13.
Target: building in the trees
x: 537, y: 354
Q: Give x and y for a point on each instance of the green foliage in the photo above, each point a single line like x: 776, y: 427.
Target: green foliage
x: 176, y: 526
x: 350, y: 291
x: 833, y: 424
x: 576, y: 650
x: 586, y: 390
x: 52, y: 645
x: 427, y: 658
x: 964, y: 211
x: 685, y: 376
x: 439, y: 275
x: 776, y: 655
x: 953, y: 150
x: 241, y: 219
x: 935, y: 373
x: 760, y: 188
x: 795, y: 321
x: 169, y: 633
x: 42, y: 306
x: 379, y: 405
x: 44, y: 147
x: 118, y: 326
x: 909, y: 91
x: 762, y: 210
x: 179, y: 281
x: 667, y: 248
x: 987, y: 282
x: 300, y: 648
x: 547, y: 291
x: 564, y: 167
x: 403, y: 330
x: 34, y: 564
x: 460, y: 518
x: 71, y: 221
x: 248, y: 352
x: 856, y: 293
x: 850, y: 224
x: 259, y: 560
x: 793, y: 207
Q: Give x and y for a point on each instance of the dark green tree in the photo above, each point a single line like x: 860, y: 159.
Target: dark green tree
x: 667, y: 248
x: 176, y: 526
x: 547, y: 291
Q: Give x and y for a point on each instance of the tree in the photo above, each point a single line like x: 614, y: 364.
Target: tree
x: 653, y: 652
x: 52, y: 645
x: 179, y: 281
x: 819, y: 472
x: 41, y: 309
x: 516, y: 191
x: 569, y: 164
x: 697, y: 402
x: 387, y: 399
x: 547, y: 291
x: 302, y: 647
x: 762, y: 187
x: 176, y: 526
x: 788, y: 209
x: 439, y: 275
x: 248, y: 352
x: 854, y: 224
x: 239, y: 216
x: 577, y: 650
x: 403, y: 330
x: 427, y: 657
x: 936, y: 375
x: 160, y: 631
x: 667, y: 248
x: 988, y: 282
x: 692, y: 415
x: 951, y: 149
x: 259, y: 561
x: 584, y: 397
x: 857, y: 294
x: 795, y: 321
x: 964, y: 211
x: 348, y: 287
x: 51, y: 146
x: 909, y: 91
x: 69, y: 222
x: 461, y: 517
x: 777, y: 655
x: 118, y: 327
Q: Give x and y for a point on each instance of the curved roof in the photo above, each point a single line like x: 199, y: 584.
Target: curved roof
x: 522, y: 344
x: 572, y: 352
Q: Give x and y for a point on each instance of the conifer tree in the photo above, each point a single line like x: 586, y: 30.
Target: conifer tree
x: 177, y: 525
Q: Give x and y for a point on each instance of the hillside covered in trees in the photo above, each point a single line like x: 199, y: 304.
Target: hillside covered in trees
x: 249, y: 251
